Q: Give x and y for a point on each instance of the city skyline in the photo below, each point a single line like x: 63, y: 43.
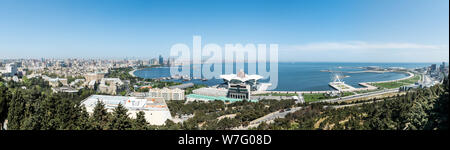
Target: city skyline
x: 307, y: 31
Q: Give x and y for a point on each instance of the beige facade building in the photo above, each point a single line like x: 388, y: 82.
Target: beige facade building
x: 94, y: 76
x: 167, y: 94
x: 111, y: 86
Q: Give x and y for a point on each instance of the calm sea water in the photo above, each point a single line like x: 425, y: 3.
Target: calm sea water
x: 303, y: 76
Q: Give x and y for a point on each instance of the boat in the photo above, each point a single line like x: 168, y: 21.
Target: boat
x: 186, y: 78
x: 176, y: 77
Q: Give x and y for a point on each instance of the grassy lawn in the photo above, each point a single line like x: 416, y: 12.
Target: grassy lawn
x: 412, y: 80
x: 345, y: 94
x: 389, y: 85
x: 397, y: 84
x: 314, y: 97
x: 311, y: 97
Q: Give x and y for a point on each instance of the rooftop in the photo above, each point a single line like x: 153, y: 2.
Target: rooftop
x: 240, y: 76
x: 182, y: 86
x: 212, y: 98
x: 131, y: 103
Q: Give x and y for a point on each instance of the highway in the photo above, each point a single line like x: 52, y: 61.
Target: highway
x: 269, y: 117
x: 274, y: 115
x: 427, y: 81
x: 282, y: 114
x: 368, y: 94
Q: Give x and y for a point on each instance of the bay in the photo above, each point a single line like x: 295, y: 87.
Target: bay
x: 300, y: 76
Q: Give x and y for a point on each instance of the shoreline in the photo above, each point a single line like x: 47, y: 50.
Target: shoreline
x: 366, y: 85
x: 132, y: 72
x: 404, y: 78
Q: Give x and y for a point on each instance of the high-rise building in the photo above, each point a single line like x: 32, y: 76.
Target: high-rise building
x: 10, y: 69
x: 154, y: 61
x: 442, y: 67
x: 161, y: 60
x: 433, y: 68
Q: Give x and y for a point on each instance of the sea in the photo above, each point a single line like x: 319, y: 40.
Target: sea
x: 301, y: 76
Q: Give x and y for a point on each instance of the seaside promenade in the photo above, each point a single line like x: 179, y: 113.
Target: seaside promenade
x: 132, y: 72
x: 366, y: 86
x: 410, y: 75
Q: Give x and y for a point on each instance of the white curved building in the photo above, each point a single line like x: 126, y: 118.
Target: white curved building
x: 241, y: 76
x: 240, y: 85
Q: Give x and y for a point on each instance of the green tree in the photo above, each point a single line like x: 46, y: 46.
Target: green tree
x: 100, y: 117
x: 4, y: 100
x: 83, y: 121
x: 140, y: 123
x: 120, y: 119
x: 16, y: 111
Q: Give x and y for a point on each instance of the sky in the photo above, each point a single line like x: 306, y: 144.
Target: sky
x: 305, y: 30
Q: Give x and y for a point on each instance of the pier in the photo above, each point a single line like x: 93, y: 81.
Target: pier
x: 341, y: 86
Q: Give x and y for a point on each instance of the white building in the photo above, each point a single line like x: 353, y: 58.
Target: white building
x: 240, y: 85
x: 210, y: 91
x: 54, y: 82
x: 76, y: 81
x: 64, y: 89
x: 155, y: 109
x: 167, y: 94
x: 9, y: 70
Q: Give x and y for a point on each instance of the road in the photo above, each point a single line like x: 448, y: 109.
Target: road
x: 274, y: 115
x: 282, y: 114
x: 368, y: 94
x: 269, y: 117
x: 427, y: 81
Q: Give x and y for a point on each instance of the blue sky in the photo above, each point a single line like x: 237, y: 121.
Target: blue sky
x: 306, y: 30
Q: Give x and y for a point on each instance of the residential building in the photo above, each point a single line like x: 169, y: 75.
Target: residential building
x: 167, y: 94
x: 111, y: 86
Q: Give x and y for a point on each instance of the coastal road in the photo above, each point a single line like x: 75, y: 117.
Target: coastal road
x: 427, y: 81
x: 368, y: 94
x: 282, y: 114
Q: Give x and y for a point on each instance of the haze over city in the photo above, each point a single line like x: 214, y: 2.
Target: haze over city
x: 324, y: 30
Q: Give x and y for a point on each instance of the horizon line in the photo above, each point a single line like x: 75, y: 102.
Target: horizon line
x: 125, y: 58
